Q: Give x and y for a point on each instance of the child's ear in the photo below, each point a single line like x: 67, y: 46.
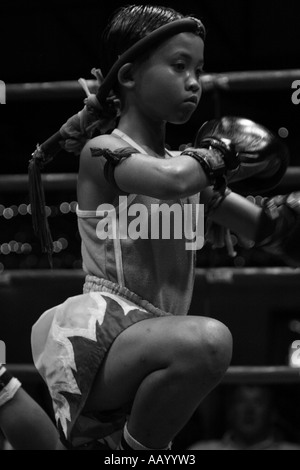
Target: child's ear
x: 125, y: 76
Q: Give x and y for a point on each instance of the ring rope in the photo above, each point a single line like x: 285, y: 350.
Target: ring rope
x: 231, y: 81
x: 68, y: 181
x: 234, y: 374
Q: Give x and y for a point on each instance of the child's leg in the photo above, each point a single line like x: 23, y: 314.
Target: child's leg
x: 24, y: 423
x: 166, y: 366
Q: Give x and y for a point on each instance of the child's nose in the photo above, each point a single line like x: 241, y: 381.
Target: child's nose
x: 193, y: 84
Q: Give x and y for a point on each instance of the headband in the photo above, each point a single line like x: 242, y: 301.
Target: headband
x: 157, y: 36
x: 98, y: 116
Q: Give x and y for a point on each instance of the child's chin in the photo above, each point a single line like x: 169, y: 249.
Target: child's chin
x: 182, y: 120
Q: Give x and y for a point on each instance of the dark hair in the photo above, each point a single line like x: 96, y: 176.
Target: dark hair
x: 128, y: 25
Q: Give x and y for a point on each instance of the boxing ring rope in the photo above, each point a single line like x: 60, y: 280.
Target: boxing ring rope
x: 231, y: 81
x: 51, y: 182
x: 67, y: 181
x: 234, y: 374
x: 250, y: 80
x: 216, y: 83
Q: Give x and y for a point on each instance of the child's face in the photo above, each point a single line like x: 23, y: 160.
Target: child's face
x: 168, y: 83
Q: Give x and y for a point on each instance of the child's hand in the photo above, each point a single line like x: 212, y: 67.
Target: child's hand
x: 282, y: 214
x: 262, y: 156
x: 218, y: 158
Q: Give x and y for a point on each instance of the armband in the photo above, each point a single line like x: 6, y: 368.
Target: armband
x: 113, y: 158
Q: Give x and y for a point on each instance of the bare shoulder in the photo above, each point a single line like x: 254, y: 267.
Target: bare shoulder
x: 92, y: 186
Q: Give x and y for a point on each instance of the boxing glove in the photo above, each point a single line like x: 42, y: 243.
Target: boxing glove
x: 263, y: 157
x: 218, y: 157
x: 278, y: 231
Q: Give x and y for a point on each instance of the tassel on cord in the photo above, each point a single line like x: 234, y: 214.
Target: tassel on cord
x: 37, y: 202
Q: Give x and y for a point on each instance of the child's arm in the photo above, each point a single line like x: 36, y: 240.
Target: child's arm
x: 236, y: 213
x: 161, y: 178
x: 275, y: 227
x: 240, y: 150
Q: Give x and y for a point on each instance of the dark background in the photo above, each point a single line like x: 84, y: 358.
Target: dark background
x: 44, y: 41
x: 59, y: 40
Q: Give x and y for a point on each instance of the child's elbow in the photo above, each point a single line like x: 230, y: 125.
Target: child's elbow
x: 176, y: 186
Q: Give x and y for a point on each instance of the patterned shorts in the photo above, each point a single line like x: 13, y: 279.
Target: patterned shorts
x: 69, y: 342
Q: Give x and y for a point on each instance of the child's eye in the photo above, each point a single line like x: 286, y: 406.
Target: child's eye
x: 179, y: 66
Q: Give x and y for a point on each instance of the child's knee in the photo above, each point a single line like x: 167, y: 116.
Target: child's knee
x: 207, y: 347
x: 217, y: 346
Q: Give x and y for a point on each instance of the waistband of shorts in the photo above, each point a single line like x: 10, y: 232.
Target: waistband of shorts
x: 96, y: 284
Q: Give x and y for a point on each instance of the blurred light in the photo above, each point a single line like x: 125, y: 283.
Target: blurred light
x: 294, y: 326
x: 13, y: 246
x: 239, y: 261
x: 22, y: 209
x: 57, y: 246
x: 283, y: 132
x: 19, y: 248
x: 5, y: 248
x: 26, y: 248
x: 64, y: 208
x: 73, y: 206
x: 48, y: 211
x: 14, y: 209
x: 1, y: 209
x: 1, y: 267
x: 8, y: 213
x: 64, y: 243
x: 251, y: 199
x: 259, y: 200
